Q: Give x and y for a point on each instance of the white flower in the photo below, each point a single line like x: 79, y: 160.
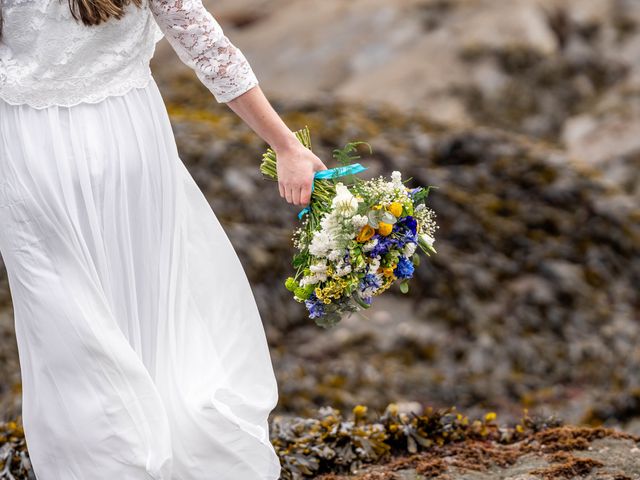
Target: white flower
x: 396, y: 178
x: 341, y: 189
x: 428, y: 239
x: 369, y: 245
x: 344, y: 203
x: 335, y: 254
x: 345, y: 206
x: 319, y: 271
x: 375, y: 264
x: 320, y: 244
x: 343, y: 270
x: 309, y: 280
x: 318, y: 268
x: 359, y: 221
x: 409, y: 249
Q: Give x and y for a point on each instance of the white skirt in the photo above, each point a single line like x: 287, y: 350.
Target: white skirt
x: 142, y: 351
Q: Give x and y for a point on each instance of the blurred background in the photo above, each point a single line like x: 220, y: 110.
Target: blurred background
x: 525, y: 114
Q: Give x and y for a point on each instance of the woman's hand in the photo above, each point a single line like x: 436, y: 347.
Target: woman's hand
x: 296, y: 166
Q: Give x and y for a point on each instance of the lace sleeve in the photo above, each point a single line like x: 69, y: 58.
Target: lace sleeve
x: 200, y: 43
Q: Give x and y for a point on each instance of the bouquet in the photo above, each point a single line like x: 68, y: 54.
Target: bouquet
x: 357, y: 237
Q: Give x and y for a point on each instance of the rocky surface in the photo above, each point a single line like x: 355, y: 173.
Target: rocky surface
x: 404, y: 444
x: 604, y: 459
x: 566, y: 71
x: 534, y: 66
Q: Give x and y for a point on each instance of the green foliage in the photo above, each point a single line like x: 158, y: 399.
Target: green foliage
x: 345, y: 155
x: 422, y: 194
x: 300, y: 259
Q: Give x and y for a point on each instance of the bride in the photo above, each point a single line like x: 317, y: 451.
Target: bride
x: 142, y: 351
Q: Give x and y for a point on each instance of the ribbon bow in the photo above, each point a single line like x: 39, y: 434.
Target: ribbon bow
x: 333, y: 173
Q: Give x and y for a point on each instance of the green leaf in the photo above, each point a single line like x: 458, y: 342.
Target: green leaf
x: 346, y: 155
x: 388, y: 217
x: 422, y: 194
x: 328, y: 320
x: 359, y: 301
x: 298, y: 260
x: 374, y: 218
x: 404, y: 287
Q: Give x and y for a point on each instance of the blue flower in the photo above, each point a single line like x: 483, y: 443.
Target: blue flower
x: 385, y: 243
x: 404, y: 269
x: 315, y: 306
x: 406, y: 224
x: 368, y: 285
x: 370, y: 280
x: 405, y: 231
x: 405, y: 237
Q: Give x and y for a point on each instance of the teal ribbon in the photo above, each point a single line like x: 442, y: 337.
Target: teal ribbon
x: 333, y: 173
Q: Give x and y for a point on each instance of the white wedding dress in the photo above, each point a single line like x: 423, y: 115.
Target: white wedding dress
x: 142, y: 351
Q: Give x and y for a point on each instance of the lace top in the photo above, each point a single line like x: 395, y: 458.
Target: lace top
x: 48, y: 58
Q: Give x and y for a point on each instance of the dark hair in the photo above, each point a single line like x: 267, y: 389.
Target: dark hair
x: 93, y: 12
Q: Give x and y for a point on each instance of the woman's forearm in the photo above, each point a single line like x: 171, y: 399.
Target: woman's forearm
x: 256, y: 111
x: 296, y: 164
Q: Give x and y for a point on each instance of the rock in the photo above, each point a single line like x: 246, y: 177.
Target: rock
x: 610, y: 131
x: 497, y: 25
x: 602, y: 459
x: 524, y: 65
x: 240, y: 181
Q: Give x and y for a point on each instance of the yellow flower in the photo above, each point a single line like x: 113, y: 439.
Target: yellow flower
x: 396, y: 209
x: 377, y: 207
x: 365, y: 234
x: 332, y: 289
x: 388, y: 282
x: 388, y: 271
x: 384, y: 228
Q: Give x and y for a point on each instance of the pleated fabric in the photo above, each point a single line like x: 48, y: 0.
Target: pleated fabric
x: 142, y: 351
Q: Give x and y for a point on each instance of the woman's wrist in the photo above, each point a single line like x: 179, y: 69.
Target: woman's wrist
x: 254, y: 108
x: 286, y: 143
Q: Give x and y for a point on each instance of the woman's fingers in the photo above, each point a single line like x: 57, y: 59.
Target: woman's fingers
x: 305, y: 194
x: 295, y: 195
x: 296, y: 171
